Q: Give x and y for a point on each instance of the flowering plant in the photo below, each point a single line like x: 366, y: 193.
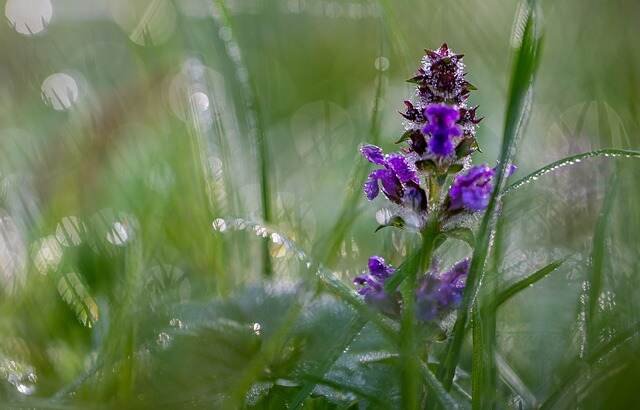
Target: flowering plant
x: 430, y: 182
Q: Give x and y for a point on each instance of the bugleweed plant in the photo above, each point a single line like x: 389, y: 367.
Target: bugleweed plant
x: 176, y: 242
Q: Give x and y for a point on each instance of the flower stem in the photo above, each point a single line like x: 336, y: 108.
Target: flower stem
x: 408, y: 345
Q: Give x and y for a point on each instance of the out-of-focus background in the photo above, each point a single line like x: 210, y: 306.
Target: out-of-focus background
x: 132, y: 132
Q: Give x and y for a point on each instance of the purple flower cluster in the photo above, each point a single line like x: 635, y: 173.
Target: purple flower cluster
x: 398, y: 178
x: 440, y: 138
x: 371, y: 286
x: 441, y: 292
x: 440, y: 80
x: 438, y: 293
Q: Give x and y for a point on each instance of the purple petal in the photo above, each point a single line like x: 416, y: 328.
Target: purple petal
x: 378, y: 267
x: 400, y: 166
x: 373, y: 154
x: 441, y: 145
x: 442, y: 115
x: 442, y: 127
x: 391, y: 186
x: 370, y: 187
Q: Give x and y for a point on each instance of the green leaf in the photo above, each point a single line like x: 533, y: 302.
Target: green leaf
x: 466, y: 147
x: 455, y: 168
x: 406, y: 136
x: 524, y: 68
x: 426, y: 165
x: 461, y: 234
x: 324, y: 363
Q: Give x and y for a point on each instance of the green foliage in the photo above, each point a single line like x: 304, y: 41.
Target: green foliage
x: 115, y: 291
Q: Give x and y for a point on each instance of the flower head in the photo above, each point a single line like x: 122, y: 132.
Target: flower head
x: 441, y: 292
x: 441, y: 76
x: 397, y: 177
x: 471, y: 191
x: 371, y: 285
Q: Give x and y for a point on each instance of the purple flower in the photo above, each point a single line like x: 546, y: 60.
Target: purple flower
x: 442, y: 127
x: 397, y: 174
x: 471, y: 191
x: 371, y: 286
x: 441, y: 292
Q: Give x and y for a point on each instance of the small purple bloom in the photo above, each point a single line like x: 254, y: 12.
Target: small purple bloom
x: 441, y: 292
x: 472, y: 190
x: 397, y: 172
x: 442, y: 127
x: 371, y: 286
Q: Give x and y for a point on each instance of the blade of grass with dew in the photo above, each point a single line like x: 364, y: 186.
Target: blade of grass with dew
x: 349, y: 211
x: 525, y: 282
x: 483, y: 326
x: 253, y: 109
x: 510, y: 378
x: 441, y: 394
x: 571, y: 160
x: 483, y: 334
x: 579, y: 369
x: 524, y: 69
x: 597, y: 263
x: 325, y: 277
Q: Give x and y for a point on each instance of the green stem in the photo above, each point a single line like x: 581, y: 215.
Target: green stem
x: 408, y: 346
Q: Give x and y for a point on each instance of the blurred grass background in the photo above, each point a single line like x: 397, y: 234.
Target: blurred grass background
x: 128, y: 127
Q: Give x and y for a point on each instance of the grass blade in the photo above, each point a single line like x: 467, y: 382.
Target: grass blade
x: 437, y: 389
x: 253, y: 110
x: 525, y: 282
x: 326, y: 278
x: 349, y: 211
x: 574, y: 159
x: 597, y: 263
x: 524, y: 68
x: 580, y: 369
x: 509, y: 377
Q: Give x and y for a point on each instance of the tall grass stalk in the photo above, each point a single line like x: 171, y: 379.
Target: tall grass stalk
x: 524, y: 69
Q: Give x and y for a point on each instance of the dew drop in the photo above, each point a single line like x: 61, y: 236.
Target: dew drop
x: 163, y: 340
x: 220, y: 225
x: 177, y: 323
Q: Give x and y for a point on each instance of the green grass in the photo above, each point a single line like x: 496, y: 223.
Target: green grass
x: 209, y: 260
